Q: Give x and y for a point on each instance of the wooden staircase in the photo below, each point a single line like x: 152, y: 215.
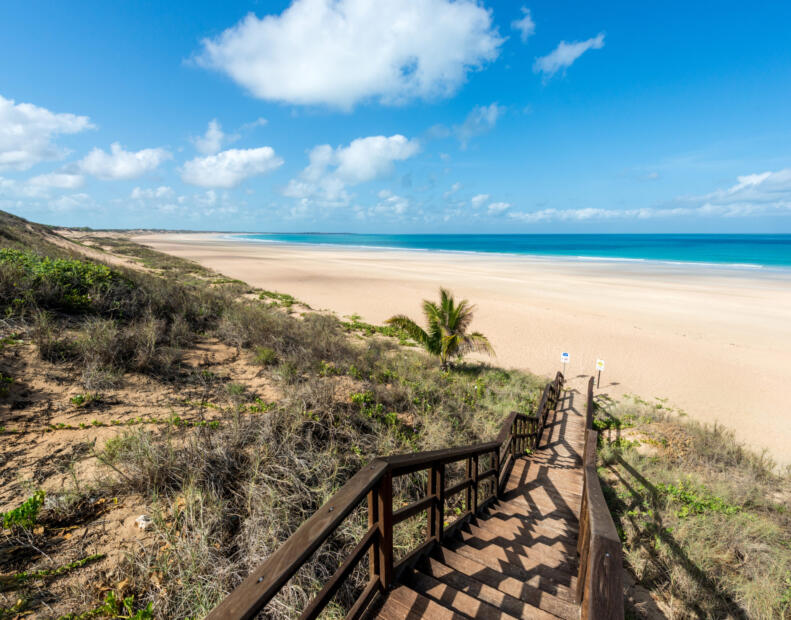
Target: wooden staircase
x: 536, y: 539
x: 519, y: 558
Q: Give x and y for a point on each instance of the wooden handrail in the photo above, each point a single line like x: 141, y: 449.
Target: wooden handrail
x: 374, y: 481
x: 599, y: 584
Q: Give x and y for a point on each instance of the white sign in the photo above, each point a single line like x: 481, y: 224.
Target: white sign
x: 599, y: 365
x: 564, y: 358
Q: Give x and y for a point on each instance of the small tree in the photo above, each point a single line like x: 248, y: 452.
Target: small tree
x: 446, y: 336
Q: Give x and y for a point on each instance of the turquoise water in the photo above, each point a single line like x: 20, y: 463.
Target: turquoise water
x: 743, y: 250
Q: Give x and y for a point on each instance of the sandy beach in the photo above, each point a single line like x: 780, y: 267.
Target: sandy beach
x: 713, y: 341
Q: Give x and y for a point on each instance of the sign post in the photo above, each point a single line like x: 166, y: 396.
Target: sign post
x: 599, y: 368
x: 564, y: 360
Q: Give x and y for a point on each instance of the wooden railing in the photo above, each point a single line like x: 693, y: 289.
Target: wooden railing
x: 519, y: 433
x: 599, y: 585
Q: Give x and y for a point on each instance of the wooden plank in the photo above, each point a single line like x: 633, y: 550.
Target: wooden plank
x: 457, y: 488
x: 527, y: 558
x: 414, y: 508
x: 519, y: 566
x: 506, y: 593
x: 264, y: 582
x: 454, y: 599
x: 414, y: 605
x: 364, y: 600
x: 506, y: 577
x: 402, y: 464
x: 489, y: 531
x: 384, y: 496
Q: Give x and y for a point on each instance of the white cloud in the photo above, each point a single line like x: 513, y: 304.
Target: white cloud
x: 119, y: 164
x: 525, y: 25
x: 214, y: 139
x: 71, y: 202
x: 498, y: 208
x: 564, y: 55
x: 481, y: 119
x: 259, y: 122
x: 764, y: 194
x: 149, y: 193
x: 330, y: 170
x: 339, y: 52
x: 390, y: 204
x: 453, y: 189
x: 27, y: 131
x: 60, y: 180
x: 229, y: 168
x: 479, y: 199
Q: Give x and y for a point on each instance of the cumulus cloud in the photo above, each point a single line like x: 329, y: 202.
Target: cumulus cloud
x: 525, y: 25
x: 479, y: 199
x: 331, y: 170
x: 231, y: 167
x: 27, y: 131
x: 764, y: 194
x: 119, y: 164
x: 498, y: 208
x: 59, y: 180
x: 140, y: 193
x: 339, y: 52
x: 564, y: 55
x: 390, y: 204
x: 453, y: 189
x: 481, y: 119
x: 214, y: 139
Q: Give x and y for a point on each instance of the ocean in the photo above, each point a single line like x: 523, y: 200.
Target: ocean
x: 757, y: 251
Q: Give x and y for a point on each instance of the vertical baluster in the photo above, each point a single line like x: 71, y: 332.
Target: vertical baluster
x: 496, y: 464
x: 475, y: 485
x: 373, y: 521
x: 385, y: 517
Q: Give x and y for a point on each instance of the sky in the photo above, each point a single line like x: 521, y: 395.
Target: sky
x: 398, y: 116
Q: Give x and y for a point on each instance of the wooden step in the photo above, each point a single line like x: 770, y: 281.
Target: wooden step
x: 403, y: 603
x: 481, y: 539
x: 491, y: 530
x: 542, y: 574
x: 520, y: 506
x: 547, y: 529
x: 512, y: 595
x: 519, y: 510
x: 455, y: 599
x: 490, y: 594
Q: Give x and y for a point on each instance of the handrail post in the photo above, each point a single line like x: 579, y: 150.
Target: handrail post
x: 474, y: 485
x: 373, y: 521
x: 385, y: 519
x: 496, y: 463
x: 436, y: 523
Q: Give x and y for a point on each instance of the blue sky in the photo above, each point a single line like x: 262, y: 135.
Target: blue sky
x: 405, y: 116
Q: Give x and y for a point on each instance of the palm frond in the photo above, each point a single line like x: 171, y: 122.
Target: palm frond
x: 413, y: 330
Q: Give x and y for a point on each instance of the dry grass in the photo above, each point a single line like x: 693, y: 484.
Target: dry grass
x: 706, y: 523
x: 224, y: 495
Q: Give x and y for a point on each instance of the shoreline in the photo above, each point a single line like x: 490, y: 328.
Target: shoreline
x: 746, y: 266
x: 713, y: 342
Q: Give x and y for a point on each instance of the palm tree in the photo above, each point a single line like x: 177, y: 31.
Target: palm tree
x: 447, y: 335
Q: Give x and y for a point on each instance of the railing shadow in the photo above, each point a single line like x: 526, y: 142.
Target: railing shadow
x: 658, y: 529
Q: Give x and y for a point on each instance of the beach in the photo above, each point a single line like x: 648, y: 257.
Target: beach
x: 714, y: 341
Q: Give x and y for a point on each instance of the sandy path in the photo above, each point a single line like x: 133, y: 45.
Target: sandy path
x: 713, y: 341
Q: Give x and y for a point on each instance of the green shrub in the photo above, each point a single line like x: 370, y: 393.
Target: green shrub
x: 60, y: 283
x: 265, y: 356
x: 24, y: 515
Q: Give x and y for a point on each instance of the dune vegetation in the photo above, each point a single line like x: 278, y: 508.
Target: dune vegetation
x: 224, y: 469
x: 135, y: 384
x: 705, y: 522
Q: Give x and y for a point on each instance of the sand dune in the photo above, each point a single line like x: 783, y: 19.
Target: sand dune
x: 715, y: 342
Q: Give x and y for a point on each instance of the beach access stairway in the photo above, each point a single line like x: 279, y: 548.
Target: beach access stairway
x: 535, y: 540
